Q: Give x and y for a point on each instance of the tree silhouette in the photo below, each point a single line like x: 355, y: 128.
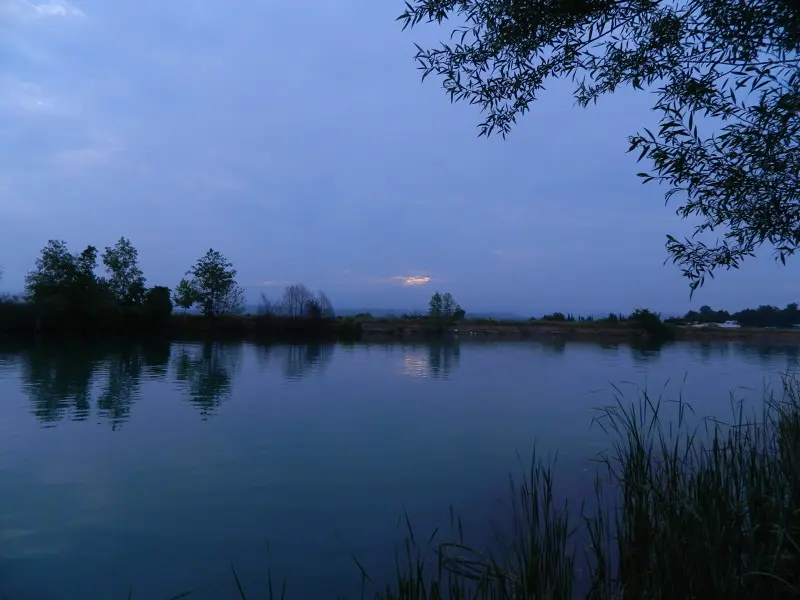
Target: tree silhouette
x: 125, y: 280
x: 212, y: 286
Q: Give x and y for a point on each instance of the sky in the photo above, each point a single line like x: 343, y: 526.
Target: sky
x: 297, y: 139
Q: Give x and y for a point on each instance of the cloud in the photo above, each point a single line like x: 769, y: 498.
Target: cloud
x: 404, y: 280
x: 412, y: 280
x: 59, y: 8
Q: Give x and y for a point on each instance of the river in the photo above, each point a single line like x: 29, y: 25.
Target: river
x: 160, y: 464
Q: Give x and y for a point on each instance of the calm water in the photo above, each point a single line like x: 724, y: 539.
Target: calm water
x: 160, y: 464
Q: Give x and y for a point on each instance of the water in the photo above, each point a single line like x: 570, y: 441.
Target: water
x: 160, y: 464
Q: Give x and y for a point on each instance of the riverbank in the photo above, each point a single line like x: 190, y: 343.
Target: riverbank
x: 586, y: 330
x: 22, y: 319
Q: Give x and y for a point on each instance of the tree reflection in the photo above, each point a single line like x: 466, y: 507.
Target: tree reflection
x: 297, y: 360
x: 646, y: 350
x: 124, y: 370
x: 766, y: 353
x: 436, y: 359
x: 709, y: 351
x: 443, y: 358
x: 155, y: 357
x: 205, y: 372
x: 58, y: 381
x: 555, y: 344
x: 62, y: 380
x: 301, y: 361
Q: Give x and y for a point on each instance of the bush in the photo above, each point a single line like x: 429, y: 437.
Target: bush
x: 349, y: 327
x: 650, y: 324
x: 157, y: 305
x: 556, y: 316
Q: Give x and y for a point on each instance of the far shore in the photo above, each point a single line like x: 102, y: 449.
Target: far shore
x: 587, y: 330
x: 366, y: 328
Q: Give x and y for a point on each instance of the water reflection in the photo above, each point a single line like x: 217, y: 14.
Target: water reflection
x: 122, y: 385
x: 297, y: 361
x: 610, y: 347
x: 63, y: 380
x: 707, y: 352
x: 435, y: 360
x: 74, y: 380
x: 645, y: 352
x: 556, y: 344
x: 766, y: 353
x: 155, y: 357
x: 204, y: 372
x: 58, y: 383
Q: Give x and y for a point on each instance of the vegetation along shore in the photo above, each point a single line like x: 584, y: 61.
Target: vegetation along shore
x: 65, y: 293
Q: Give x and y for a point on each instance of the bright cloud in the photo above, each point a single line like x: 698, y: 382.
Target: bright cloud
x: 412, y: 280
x: 405, y: 280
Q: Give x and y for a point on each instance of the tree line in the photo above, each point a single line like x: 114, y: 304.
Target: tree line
x: 763, y: 316
x: 109, y: 289
x: 298, y: 302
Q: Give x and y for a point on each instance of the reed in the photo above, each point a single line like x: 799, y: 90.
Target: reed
x: 681, y: 510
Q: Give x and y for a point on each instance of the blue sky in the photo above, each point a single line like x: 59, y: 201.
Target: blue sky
x: 297, y: 139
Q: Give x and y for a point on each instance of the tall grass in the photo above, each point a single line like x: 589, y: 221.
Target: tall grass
x: 680, y: 511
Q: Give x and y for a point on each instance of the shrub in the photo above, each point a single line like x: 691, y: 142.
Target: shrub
x: 650, y: 324
x: 157, y: 305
